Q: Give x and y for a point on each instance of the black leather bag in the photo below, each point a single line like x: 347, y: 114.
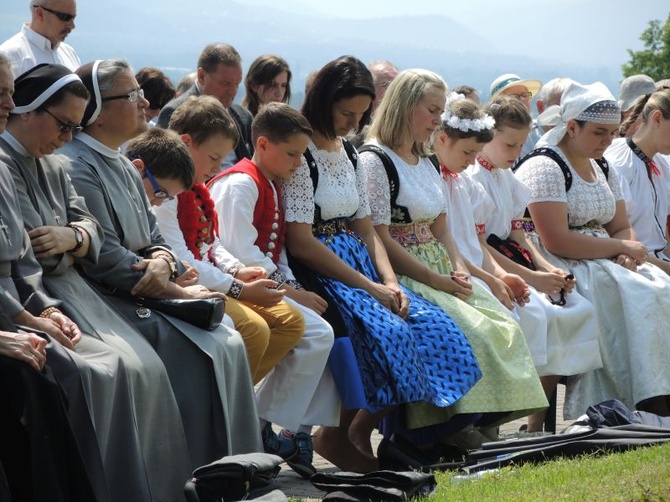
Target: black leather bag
x: 205, y: 313
x: 236, y: 477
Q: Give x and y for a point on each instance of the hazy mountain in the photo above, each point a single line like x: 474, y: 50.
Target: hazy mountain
x: 154, y: 33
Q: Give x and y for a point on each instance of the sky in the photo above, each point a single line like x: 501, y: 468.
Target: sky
x: 584, y: 32
x: 585, y: 39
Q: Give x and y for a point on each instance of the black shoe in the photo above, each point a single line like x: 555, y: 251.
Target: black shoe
x: 398, y: 454
x: 392, y: 457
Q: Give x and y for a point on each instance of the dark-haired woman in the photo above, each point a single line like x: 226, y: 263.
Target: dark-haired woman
x: 382, y: 356
x: 120, y: 380
x: 584, y: 228
x: 268, y: 80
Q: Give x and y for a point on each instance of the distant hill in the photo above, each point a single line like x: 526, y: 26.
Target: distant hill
x: 148, y: 34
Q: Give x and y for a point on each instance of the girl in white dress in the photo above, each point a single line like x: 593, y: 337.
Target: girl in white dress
x: 568, y: 344
x: 644, y: 168
x: 580, y: 221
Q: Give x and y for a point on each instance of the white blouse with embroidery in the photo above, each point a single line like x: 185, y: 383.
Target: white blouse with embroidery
x: 341, y: 190
x: 468, y: 205
x: 420, y: 188
x: 587, y: 201
x: 509, y: 194
x: 647, y: 201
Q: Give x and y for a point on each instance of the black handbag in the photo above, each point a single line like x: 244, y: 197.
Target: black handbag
x: 205, y: 313
x: 236, y: 477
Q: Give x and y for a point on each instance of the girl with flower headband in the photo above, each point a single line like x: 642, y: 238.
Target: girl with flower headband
x: 561, y: 327
x: 582, y: 226
x: 408, y: 212
x: 643, y: 163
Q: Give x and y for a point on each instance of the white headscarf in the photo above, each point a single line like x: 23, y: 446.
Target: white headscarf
x: 590, y: 103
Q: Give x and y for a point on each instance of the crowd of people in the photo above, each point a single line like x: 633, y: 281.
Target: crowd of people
x: 392, y: 255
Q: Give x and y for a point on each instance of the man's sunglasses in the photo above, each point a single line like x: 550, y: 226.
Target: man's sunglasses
x: 63, y: 16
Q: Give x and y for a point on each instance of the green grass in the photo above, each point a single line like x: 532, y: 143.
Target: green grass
x: 639, y: 475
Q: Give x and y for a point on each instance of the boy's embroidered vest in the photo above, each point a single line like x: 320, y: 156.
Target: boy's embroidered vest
x: 198, y: 220
x: 268, y: 216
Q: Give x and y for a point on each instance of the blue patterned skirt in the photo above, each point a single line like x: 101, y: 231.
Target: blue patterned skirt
x: 380, y: 359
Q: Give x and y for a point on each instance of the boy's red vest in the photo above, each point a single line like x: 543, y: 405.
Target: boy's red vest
x: 268, y: 216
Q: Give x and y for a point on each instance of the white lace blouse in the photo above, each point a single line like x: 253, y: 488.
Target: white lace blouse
x: 420, y: 188
x: 341, y: 190
x: 587, y: 201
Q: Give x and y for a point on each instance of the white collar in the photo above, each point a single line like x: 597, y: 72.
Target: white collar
x: 35, y: 38
x: 97, y: 146
x: 14, y: 143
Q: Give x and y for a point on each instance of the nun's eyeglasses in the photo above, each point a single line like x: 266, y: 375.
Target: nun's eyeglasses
x: 64, y: 127
x: 63, y: 16
x: 132, y: 96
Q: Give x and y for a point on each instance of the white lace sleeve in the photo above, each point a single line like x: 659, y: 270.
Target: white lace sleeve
x: 298, y: 196
x: 545, y: 179
x: 379, y: 191
x: 362, y: 187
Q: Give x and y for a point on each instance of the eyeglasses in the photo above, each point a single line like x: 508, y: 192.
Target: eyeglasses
x: 522, y: 95
x: 64, y: 127
x: 63, y: 16
x: 159, y: 193
x: 132, y: 96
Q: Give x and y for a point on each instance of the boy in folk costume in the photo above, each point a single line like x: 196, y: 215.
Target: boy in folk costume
x: 270, y: 330
x: 252, y: 227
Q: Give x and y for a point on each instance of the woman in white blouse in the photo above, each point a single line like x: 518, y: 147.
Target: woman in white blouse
x: 580, y: 219
x: 382, y: 353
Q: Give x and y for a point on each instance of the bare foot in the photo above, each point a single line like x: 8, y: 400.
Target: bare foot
x: 361, y: 441
x: 361, y: 428
x: 333, y: 444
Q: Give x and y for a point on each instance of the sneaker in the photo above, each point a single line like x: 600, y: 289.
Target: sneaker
x: 301, y: 462
x: 281, y: 446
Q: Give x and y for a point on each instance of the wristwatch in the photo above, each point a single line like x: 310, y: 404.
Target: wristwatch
x: 171, y: 264
x: 78, y: 237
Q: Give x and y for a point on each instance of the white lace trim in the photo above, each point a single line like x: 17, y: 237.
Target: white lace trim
x: 341, y: 190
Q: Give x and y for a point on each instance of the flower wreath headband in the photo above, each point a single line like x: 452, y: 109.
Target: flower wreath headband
x: 449, y: 119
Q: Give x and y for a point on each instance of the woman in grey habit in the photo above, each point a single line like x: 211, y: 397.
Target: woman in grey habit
x: 120, y: 379
x: 208, y: 370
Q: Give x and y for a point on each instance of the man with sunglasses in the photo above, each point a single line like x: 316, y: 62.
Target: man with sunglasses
x: 42, y: 39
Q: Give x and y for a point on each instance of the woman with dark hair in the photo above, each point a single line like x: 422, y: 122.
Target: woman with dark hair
x: 381, y: 356
x: 268, y: 80
x: 208, y: 370
x: 158, y: 90
x: 126, y: 388
x: 581, y: 225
